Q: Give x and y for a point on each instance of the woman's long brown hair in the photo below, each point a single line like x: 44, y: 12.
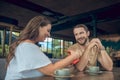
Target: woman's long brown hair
x: 31, y: 31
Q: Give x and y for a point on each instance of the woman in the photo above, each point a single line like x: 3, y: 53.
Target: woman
x: 25, y: 59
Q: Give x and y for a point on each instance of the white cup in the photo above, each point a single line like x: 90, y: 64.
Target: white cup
x: 62, y: 72
x: 93, y: 69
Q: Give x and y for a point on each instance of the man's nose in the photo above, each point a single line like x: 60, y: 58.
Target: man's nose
x: 79, y: 35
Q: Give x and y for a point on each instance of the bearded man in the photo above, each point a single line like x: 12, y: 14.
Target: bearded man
x: 91, y: 51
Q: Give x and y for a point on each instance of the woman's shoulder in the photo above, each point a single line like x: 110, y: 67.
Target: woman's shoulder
x: 26, y: 44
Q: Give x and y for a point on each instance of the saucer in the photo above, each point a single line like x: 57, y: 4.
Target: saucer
x: 93, y: 73
x: 64, y: 76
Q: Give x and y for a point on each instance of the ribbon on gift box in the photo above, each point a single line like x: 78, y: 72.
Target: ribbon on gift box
x: 74, y: 61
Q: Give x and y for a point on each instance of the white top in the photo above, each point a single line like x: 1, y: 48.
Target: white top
x: 28, y: 57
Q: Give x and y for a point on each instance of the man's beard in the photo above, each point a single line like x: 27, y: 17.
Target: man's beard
x: 85, y: 41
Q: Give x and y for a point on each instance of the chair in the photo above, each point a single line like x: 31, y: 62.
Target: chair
x: 2, y: 68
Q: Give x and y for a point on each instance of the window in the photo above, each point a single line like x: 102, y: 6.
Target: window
x: 56, y: 47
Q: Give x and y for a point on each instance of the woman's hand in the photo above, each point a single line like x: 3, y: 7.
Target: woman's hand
x: 76, y: 54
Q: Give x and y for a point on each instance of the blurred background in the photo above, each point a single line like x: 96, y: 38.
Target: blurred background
x: 101, y: 16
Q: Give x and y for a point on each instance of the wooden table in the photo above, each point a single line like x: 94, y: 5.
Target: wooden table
x: 105, y: 75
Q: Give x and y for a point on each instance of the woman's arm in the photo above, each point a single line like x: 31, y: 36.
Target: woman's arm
x: 49, y: 69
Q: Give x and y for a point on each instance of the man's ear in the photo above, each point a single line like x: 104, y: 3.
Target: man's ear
x: 88, y: 33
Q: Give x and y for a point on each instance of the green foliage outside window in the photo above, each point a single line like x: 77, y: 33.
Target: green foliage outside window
x: 56, y: 47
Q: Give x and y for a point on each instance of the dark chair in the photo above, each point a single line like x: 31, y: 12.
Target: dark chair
x: 2, y: 68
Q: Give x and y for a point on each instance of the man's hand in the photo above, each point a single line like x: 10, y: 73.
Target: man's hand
x: 99, y: 44
x: 92, y: 45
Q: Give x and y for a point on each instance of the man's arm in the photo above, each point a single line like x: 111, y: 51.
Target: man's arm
x: 103, y: 57
x: 83, y: 61
x: 105, y: 60
x: 85, y: 57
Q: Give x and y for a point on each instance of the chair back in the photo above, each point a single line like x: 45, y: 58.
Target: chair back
x: 2, y: 68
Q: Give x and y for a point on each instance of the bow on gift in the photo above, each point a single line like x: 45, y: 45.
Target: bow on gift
x: 74, y: 61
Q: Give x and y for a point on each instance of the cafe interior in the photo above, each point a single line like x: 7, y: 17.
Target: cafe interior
x: 102, y: 18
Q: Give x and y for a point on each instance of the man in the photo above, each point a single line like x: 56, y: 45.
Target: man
x: 91, y: 51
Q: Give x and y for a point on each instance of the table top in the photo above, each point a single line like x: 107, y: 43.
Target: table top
x: 103, y: 75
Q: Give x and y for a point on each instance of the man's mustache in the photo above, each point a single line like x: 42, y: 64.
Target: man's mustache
x: 80, y: 38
